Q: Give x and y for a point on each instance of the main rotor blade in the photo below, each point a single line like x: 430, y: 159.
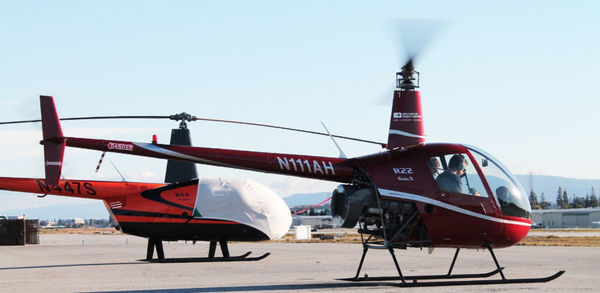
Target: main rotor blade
x: 89, y: 118
x: 291, y: 129
x: 204, y: 119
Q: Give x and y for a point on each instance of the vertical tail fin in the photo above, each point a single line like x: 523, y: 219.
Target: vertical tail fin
x: 54, y: 143
x: 180, y: 171
x: 406, y: 123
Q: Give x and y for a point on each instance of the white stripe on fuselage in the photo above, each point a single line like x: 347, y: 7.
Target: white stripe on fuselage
x: 399, y: 132
x: 410, y: 196
x: 157, y: 149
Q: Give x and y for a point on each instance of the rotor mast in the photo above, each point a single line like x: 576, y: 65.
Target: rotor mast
x: 180, y: 171
x: 406, y: 121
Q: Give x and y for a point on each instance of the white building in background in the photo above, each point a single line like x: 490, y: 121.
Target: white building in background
x: 318, y: 222
x: 567, y: 218
x: 75, y: 221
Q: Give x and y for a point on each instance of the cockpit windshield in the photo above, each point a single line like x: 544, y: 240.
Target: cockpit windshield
x: 508, y: 192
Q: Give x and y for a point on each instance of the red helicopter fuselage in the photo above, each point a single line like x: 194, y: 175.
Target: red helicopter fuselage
x: 451, y: 219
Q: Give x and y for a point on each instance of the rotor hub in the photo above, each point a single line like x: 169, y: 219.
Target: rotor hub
x: 183, y: 117
x: 405, y: 79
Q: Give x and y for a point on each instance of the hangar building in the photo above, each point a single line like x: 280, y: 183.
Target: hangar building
x: 567, y: 218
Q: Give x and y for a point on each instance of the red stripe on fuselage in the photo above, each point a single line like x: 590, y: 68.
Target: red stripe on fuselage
x: 140, y: 219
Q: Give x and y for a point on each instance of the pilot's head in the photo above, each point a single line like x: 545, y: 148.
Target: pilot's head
x: 434, y: 165
x: 457, y: 163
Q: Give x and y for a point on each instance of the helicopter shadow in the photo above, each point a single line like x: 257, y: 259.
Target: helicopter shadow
x: 278, y: 287
x: 68, y: 265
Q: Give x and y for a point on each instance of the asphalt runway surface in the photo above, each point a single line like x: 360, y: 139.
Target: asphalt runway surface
x: 108, y: 263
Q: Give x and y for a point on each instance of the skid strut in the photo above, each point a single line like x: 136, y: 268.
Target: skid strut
x: 213, y: 247
x: 155, y: 242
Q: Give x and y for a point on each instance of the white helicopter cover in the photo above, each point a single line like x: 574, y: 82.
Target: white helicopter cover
x: 243, y: 201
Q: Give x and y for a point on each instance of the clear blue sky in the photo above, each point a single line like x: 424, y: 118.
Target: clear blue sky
x: 516, y: 79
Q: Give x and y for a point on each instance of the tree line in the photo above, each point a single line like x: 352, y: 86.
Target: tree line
x: 564, y: 201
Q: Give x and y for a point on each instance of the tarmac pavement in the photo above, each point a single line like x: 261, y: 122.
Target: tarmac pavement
x: 108, y: 263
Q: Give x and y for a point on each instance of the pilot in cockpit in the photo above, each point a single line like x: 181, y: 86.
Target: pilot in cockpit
x: 434, y: 166
x: 449, y: 180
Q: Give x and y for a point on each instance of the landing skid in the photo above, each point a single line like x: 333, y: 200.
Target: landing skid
x: 412, y: 281
x: 155, y: 243
x: 243, y: 257
x: 421, y: 277
x: 447, y: 279
x: 481, y: 282
x: 400, y: 239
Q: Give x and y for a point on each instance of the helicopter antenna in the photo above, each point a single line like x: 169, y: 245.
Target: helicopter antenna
x: 342, y: 155
x: 122, y: 177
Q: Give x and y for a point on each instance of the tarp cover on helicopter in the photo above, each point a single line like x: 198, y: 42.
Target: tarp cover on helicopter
x: 245, y: 202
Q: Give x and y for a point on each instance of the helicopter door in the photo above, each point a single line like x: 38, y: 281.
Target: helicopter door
x: 469, y: 205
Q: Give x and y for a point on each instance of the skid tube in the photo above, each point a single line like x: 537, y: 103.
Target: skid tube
x: 243, y: 257
x: 447, y: 279
x: 157, y: 243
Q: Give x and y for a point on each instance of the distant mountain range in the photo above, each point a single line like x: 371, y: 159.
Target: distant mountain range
x: 541, y: 184
x: 96, y: 210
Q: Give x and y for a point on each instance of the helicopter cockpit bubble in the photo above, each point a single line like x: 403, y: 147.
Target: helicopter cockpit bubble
x: 509, y: 193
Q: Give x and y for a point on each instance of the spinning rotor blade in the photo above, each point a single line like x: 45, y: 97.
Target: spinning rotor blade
x: 187, y: 117
x: 414, y: 35
x: 411, y: 36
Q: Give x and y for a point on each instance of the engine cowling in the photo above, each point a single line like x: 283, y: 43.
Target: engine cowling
x: 349, y: 203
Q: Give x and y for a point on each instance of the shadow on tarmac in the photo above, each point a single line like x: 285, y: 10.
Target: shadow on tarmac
x: 70, y: 265
x: 279, y: 287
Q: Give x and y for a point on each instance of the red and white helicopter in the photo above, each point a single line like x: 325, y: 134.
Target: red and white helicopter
x: 412, y: 194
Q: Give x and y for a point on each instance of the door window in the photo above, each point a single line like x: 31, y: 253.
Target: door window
x: 456, y: 173
x: 509, y: 193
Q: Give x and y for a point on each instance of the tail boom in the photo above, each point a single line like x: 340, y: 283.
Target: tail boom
x: 76, y: 188
x: 324, y: 168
